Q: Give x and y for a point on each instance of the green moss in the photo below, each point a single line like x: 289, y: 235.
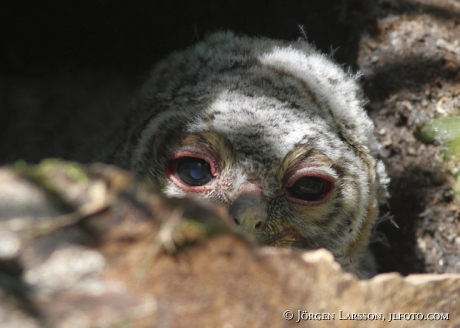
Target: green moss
x: 193, y: 230
x: 457, y: 188
x: 441, y: 129
x: 45, y: 173
x: 45, y: 169
x: 453, y: 150
x: 75, y: 172
x: 35, y: 173
x: 446, y: 131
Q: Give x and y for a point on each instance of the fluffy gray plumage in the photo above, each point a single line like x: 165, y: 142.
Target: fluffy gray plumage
x: 263, y: 114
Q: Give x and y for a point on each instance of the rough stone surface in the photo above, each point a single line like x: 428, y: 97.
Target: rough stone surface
x: 98, y: 249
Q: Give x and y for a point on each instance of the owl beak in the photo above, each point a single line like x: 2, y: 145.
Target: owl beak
x: 248, y: 210
x: 249, y: 221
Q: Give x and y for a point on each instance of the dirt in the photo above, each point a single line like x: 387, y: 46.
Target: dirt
x: 67, y: 72
x: 410, y: 66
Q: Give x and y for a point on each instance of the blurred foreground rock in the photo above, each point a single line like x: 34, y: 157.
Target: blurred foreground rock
x: 91, y: 247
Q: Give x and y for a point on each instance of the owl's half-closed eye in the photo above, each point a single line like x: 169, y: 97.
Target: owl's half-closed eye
x: 273, y: 130
x: 197, y: 173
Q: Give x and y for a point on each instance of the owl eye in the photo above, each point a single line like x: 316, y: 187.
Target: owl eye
x: 310, y: 190
x: 194, y: 171
x: 191, y: 172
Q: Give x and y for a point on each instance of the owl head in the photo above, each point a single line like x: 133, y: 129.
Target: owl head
x: 273, y: 130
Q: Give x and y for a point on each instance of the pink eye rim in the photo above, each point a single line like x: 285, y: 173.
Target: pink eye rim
x: 326, y: 190
x: 171, y: 170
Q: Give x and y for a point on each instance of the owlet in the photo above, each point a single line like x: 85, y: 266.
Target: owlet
x: 274, y: 131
